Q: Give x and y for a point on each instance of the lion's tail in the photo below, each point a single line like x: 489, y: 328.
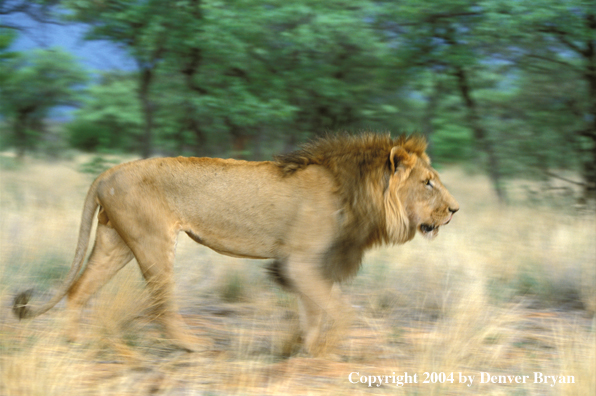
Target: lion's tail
x: 20, y: 306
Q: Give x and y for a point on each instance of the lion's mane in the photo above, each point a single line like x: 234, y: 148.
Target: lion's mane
x: 371, y: 212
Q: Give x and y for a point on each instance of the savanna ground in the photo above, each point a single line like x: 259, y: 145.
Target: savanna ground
x: 508, y: 291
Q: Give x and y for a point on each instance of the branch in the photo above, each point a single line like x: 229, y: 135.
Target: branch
x: 436, y: 17
x: 237, y: 72
x: 588, y: 132
x: 2, y: 26
x: 554, y: 175
x: 17, y: 8
x: 557, y: 61
x: 562, y: 37
x: 37, y: 12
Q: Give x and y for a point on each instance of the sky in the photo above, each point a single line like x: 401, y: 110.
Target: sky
x: 93, y: 55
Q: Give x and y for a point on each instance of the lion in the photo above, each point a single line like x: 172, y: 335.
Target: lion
x: 314, y: 211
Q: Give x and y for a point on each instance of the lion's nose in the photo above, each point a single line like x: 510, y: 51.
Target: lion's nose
x: 453, y: 210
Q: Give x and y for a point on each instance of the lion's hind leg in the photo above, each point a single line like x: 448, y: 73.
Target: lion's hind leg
x: 109, y: 255
x: 156, y: 260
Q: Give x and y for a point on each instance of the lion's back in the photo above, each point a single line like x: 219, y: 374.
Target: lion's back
x: 236, y: 207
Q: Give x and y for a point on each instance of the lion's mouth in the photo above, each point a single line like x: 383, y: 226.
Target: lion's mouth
x: 427, y: 228
x: 429, y: 231
x: 449, y: 219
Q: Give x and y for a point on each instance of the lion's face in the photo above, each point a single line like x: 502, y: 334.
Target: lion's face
x: 426, y: 201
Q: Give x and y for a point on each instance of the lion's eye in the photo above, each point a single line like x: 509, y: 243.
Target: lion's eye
x: 429, y: 183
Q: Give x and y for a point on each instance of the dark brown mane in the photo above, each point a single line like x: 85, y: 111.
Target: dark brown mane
x: 350, y: 150
x: 361, y: 169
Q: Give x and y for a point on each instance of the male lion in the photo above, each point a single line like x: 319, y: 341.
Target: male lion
x: 314, y: 211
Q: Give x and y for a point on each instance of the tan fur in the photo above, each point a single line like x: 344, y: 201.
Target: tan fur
x: 314, y: 211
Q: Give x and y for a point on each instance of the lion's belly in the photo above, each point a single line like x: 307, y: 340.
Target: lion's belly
x: 244, y: 246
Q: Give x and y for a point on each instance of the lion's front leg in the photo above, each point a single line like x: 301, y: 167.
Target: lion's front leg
x: 317, y: 298
x: 311, y: 320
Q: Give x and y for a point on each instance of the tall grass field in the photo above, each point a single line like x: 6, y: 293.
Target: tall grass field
x: 502, y: 302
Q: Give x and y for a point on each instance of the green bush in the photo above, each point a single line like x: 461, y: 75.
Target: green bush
x: 233, y: 288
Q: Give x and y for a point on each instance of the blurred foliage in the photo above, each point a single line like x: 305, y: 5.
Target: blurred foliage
x: 509, y: 85
x: 233, y: 287
x: 8, y: 164
x: 34, y: 83
x: 110, y: 116
x: 97, y: 165
x: 7, y: 37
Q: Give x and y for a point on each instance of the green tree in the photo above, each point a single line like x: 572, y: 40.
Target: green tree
x: 244, y: 70
x: 7, y: 36
x: 142, y: 28
x: 34, y: 83
x: 332, y: 63
x: 448, y: 39
x: 110, y: 116
x: 224, y: 89
x: 554, y: 45
x: 254, y: 68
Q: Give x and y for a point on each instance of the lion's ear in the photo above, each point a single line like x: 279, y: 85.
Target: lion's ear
x: 401, y: 161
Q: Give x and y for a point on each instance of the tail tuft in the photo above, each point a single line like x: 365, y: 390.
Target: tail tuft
x: 19, y: 306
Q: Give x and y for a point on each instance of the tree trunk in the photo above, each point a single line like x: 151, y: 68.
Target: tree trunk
x: 589, y: 168
x: 195, y: 127
x: 480, y: 136
x: 239, y: 140
x: 190, y: 69
x: 20, y: 133
x: 290, y: 143
x: 429, y: 113
x: 147, y: 105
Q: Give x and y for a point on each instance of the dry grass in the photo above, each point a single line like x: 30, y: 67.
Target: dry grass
x: 506, y: 291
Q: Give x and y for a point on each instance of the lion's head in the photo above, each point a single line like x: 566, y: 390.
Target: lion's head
x: 415, y: 198
x: 387, y: 187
